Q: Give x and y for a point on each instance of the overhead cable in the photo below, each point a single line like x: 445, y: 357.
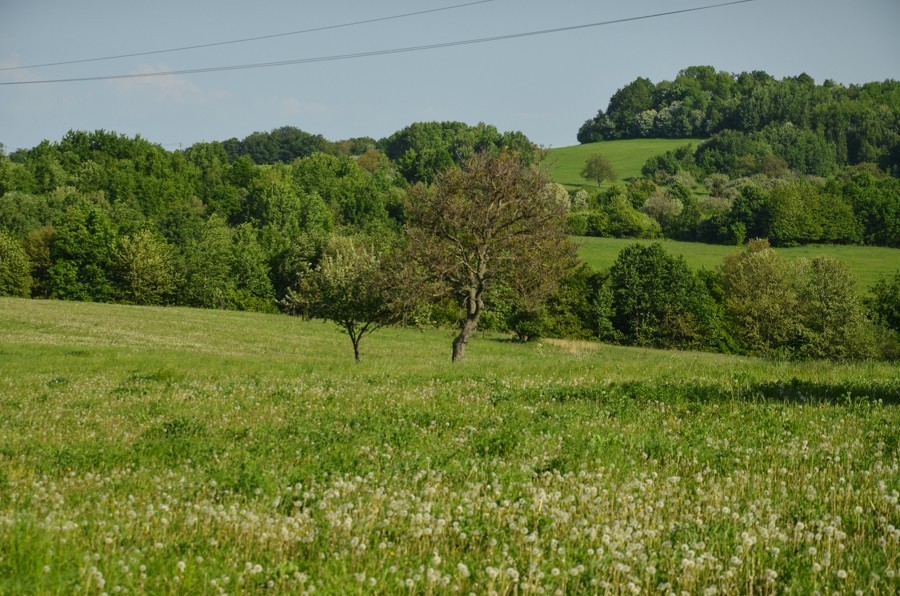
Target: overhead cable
x: 248, y: 39
x: 371, y: 53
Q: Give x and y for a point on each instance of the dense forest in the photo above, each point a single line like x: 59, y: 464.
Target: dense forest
x: 273, y: 221
x: 836, y: 125
x: 787, y: 160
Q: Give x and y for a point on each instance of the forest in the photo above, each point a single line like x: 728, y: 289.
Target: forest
x: 787, y: 160
x: 277, y: 221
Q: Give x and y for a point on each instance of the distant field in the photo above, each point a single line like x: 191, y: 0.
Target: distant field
x: 627, y: 157
x: 868, y: 263
x: 180, y: 451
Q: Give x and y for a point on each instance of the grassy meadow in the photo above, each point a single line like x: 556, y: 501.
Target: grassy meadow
x: 868, y: 263
x: 627, y: 158
x: 153, y: 450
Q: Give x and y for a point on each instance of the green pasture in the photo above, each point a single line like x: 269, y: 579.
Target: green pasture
x: 627, y: 157
x: 170, y: 450
x: 868, y: 263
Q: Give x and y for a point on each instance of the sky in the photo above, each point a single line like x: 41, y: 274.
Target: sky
x: 545, y: 85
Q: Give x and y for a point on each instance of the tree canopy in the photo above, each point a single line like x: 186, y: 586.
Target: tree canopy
x: 485, y: 225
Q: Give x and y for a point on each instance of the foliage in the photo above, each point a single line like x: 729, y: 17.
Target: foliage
x: 621, y: 220
x: 884, y: 301
x: 800, y: 309
x: 875, y: 199
x: 423, y: 150
x: 832, y: 314
x: 598, y: 168
x: 15, y: 269
x: 794, y: 212
x: 812, y: 128
x: 352, y: 286
x: 226, y: 268
x: 83, y: 254
x: 146, y: 268
x: 488, y: 224
x: 659, y: 302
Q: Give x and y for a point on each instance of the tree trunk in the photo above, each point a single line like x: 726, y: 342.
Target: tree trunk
x: 355, y: 336
x: 474, y: 306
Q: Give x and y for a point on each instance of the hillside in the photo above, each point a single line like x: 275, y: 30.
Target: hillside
x: 627, y: 157
x: 868, y: 263
x: 189, y: 450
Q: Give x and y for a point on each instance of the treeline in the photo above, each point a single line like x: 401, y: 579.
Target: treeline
x: 859, y: 205
x: 836, y: 125
x: 103, y: 217
x: 755, y: 303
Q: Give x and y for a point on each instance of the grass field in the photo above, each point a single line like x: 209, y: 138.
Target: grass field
x: 868, y: 263
x: 627, y: 158
x: 188, y: 451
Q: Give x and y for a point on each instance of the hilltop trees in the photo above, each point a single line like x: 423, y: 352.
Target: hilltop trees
x: 486, y: 225
x: 424, y: 150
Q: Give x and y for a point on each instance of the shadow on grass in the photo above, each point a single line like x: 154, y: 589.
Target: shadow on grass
x: 797, y: 391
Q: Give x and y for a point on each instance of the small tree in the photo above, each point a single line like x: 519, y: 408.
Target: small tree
x: 352, y: 286
x: 487, y: 225
x: 598, y: 168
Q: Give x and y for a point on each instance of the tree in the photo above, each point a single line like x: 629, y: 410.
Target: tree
x: 761, y: 299
x: 15, y: 270
x: 486, y: 225
x: 146, y: 266
x: 834, y: 321
x: 884, y: 302
x: 598, y: 168
x: 352, y: 286
x: 659, y: 302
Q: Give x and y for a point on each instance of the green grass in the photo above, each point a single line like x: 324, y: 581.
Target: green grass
x: 188, y: 451
x: 627, y: 157
x: 868, y: 263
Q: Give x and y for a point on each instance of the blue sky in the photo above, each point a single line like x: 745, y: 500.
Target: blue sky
x: 546, y: 86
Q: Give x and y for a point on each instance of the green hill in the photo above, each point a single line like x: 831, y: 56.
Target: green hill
x: 627, y: 157
x: 868, y: 263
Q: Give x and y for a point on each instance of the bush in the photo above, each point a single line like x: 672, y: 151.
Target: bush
x: 802, y: 309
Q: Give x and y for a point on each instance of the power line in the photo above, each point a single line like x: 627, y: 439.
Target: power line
x: 371, y: 53
x: 246, y: 39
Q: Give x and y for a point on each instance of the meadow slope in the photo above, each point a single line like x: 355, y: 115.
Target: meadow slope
x: 627, y: 158
x: 868, y: 263
x: 189, y: 451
